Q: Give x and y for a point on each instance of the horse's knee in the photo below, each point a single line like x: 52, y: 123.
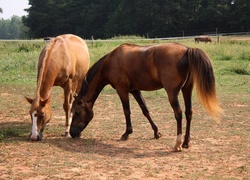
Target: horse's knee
x: 188, y: 114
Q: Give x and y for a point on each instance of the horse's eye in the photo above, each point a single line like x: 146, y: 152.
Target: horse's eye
x: 76, y: 113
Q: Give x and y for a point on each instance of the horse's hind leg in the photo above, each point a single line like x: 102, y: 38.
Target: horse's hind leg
x: 139, y: 98
x: 187, y: 94
x: 173, y: 99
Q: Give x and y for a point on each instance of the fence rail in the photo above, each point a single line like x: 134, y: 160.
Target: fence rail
x: 212, y: 34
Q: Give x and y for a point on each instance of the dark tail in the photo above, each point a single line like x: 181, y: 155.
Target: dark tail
x: 201, y: 71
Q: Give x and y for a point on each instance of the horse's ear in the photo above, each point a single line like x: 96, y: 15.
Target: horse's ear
x: 43, y: 103
x: 79, y: 100
x: 29, y: 100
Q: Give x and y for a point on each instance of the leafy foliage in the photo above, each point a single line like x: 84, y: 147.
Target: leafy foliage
x: 13, y: 28
x: 108, y: 18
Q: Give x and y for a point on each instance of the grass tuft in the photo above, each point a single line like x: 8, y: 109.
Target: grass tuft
x: 9, y: 132
x: 240, y: 71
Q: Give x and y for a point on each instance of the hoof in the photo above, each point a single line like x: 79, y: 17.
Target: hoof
x: 185, y: 145
x: 177, y: 149
x: 124, y: 137
x: 158, y: 135
x: 66, y: 134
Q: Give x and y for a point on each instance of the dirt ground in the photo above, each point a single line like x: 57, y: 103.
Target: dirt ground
x: 218, y: 151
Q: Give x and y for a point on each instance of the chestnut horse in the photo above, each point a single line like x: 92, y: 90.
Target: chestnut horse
x: 64, y: 61
x: 131, y: 68
x: 202, y: 39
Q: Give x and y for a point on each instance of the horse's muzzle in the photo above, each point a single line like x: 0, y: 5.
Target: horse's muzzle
x: 37, y: 138
x: 75, y: 132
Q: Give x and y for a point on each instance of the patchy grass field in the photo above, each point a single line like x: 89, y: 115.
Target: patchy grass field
x: 218, y: 151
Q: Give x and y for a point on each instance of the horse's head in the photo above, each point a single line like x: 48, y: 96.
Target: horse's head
x: 40, y: 113
x: 82, y: 115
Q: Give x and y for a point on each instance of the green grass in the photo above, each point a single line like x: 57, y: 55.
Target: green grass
x: 18, y: 68
x: 19, y: 59
x: 9, y: 132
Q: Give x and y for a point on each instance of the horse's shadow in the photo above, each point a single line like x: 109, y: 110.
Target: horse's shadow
x: 104, y: 148
x: 20, y: 132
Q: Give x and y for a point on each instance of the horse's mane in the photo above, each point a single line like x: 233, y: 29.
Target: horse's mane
x: 90, y: 75
x: 44, y: 61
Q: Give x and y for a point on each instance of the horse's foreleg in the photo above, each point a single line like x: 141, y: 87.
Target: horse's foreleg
x: 187, y: 94
x: 173, y: 99
x: 126, y: 108
x: 68, y: 99
x: 140, y: 100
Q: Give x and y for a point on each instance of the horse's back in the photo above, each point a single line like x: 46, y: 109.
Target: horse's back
x: 150, y: 56
x: 66, y: 56
x: 72, y: 46
x: 78, y: 54
x: 147, y: 67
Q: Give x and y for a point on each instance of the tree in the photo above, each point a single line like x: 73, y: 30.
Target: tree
x: 40, y: 18
x: 161, y: 18
x: 12, y: 28
x: 240, y: 17
x: 4, y: 29
x: 84, y: 18
x: 156, y: 18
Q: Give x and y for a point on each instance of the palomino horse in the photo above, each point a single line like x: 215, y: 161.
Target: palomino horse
x: 64, y: 61
x: 131, y: 68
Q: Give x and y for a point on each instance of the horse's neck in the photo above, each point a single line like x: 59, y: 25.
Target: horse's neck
x: 94, y: 89
x: 44, y: 91
x: 45, y: 79
x: 93, y: 83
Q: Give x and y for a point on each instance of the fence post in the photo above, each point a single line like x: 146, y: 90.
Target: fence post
x: 92, y: 41
x: 217, y: 35
x: 218, y: 39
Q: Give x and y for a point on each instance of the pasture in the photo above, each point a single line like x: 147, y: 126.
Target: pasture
x: 218, y: 151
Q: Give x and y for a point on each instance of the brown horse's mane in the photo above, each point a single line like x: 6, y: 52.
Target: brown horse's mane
x: 90, y: 75
x: 40, y: 78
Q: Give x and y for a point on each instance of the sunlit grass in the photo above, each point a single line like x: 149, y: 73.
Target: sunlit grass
x: 19, y: 59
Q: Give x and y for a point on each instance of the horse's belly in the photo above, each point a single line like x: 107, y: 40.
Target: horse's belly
x: 146, y: 85
x: 60, y: 81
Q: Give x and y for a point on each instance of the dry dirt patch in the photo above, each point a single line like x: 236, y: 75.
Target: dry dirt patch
x: 216, y: 152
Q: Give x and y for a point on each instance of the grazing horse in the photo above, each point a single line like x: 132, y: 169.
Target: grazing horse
x: 64, y: 62
x: 202, y: 39
x: 131, y: 68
